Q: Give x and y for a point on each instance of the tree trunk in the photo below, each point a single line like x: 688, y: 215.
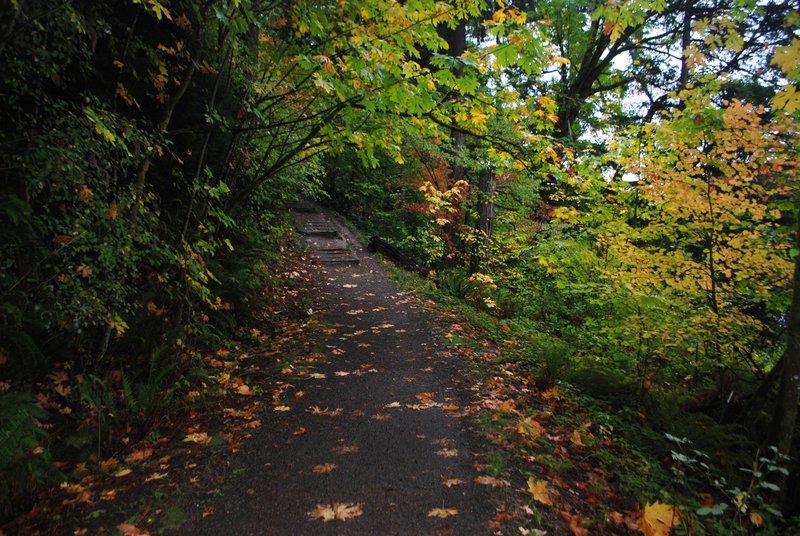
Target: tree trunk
x: 457, y: 45
x: 785, y: 416
x: 486, y: 189
x: 686, y: 40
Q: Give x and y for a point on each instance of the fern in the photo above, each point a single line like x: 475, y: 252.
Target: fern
x: 20, y: 434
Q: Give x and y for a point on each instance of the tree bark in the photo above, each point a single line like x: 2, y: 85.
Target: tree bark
x: 457, y: 45
x: 785, y: 416
x: 486, y: 189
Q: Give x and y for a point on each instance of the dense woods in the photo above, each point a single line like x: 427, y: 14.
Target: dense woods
x: 609, y: 189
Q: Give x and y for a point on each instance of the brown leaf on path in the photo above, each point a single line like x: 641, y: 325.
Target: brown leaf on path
x: 616, y: 517
x: 155, y: 476
x: 450, y: 482
x: 253, y: 424
x: 131, y: 530
x: 138, y: 455
x: 551, y: 394
x: 316, y: 410
x: 443, y: 512
x: 451, y: 408
x: 82, y: 497
x: 300, y: 431
x: 336, y: 512
x: 244, y: 390
x: 486, y: 480
x: 574, y: 523
x: 197, y: 437
x: 425, y: 398
x: 123, y: 472
x: 447, y: 453
x: 345, y: 449
x: 108, y: 463
x: 324, y: 468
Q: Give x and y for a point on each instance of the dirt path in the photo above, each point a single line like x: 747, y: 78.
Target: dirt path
x: 377, y: 429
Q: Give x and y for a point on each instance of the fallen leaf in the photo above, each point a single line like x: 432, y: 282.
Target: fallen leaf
x: 551, y: 394
x: 530, y: 427
x: 318, y: 376
x: 107, y: 464
x: 316, y: 410
x: 392, y: 405
x: 450, y: 408
x: 506, y: 406
x: 574, y: 523
x: 577, y: 439
x: 300, y: 431
x: 443, y: 512
x: 197, y: 437
x: 540, y: 491
x: 252, y: 424
x: 615, y: 517
x: 155, y: 476
x: 447, y: 453
x: 450, y: 482
x: 341, y: 373
x: 123, y: 472
x: 324, y: 468
x: 345, y: 449
x: 336, y: 511
x: 659, y: 518
x: 245, y: 390
x: 138, y: 455
x: 486, y: 480
x: 281, y: 408
x: 131, y: 530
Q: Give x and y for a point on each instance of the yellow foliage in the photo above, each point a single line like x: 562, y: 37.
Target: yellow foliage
x: 658, y: 519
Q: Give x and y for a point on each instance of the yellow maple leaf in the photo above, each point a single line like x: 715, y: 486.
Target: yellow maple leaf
x: 659, y: 518
x: 529, y: 426
x: 540, y: 491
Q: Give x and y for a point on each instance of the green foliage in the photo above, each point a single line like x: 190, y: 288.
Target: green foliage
x: 24, y: 460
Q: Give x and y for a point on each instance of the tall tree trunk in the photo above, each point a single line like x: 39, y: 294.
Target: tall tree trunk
x: 686, y: 39
x: 785, y: 416
x: 487, y: 187
x: 457, y: 45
